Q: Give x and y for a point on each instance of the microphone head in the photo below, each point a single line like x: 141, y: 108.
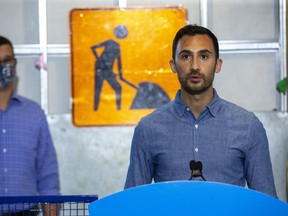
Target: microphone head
x: 195, y: 165
x: 196, y: 168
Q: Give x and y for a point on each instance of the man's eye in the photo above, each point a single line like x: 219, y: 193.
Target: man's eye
x: 204, y: 56
x: 6, y: 61
x: 185, y: 56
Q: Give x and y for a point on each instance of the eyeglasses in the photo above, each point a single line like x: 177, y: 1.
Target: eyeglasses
x: 7, y: 61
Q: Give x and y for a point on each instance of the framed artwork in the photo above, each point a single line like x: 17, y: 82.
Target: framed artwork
x: 120, y: 62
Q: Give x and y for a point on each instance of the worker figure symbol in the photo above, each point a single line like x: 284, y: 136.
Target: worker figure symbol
x: 149, y: 95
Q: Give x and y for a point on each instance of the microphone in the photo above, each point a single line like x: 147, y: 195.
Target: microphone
x: 196, y: 170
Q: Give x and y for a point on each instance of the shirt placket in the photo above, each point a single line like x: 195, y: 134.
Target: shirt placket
x: 196, y: 130
x: 194, y: 127
x: 3, y: 152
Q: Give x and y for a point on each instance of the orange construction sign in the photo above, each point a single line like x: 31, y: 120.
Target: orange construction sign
x: 120, y: 62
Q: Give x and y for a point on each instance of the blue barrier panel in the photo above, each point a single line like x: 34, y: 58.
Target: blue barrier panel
x: 188, y: 198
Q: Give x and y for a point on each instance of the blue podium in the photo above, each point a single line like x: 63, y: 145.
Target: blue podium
x: 182, y: 198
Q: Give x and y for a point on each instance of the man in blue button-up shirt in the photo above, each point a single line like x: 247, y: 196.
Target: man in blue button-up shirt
x: 199, y: 135
x: 28, y: 163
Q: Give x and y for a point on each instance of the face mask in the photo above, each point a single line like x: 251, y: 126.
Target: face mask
x: 7, y: 74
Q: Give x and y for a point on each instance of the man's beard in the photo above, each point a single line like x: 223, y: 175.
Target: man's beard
x: 197, y: 89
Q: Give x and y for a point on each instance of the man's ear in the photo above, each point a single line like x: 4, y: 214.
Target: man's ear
x: 172, y: 66
x: 218, y: 65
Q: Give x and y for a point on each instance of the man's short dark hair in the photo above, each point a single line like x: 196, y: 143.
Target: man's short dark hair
x: 4, y: 41
x: 194, y: 30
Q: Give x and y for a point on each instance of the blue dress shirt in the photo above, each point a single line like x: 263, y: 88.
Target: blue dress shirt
x: 28, y: 163
x: 230, y: 142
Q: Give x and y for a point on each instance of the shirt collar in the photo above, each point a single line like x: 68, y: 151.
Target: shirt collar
x: 16, y: 97
x: 213, y: 107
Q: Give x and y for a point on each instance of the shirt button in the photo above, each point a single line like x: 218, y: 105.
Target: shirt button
x: 5, y: 170
x: 4, y: 150
x: 4, y: 131
x: 187, y: 109
x: 196, y: 126
x: 196, y: 149
x: 6, y: 190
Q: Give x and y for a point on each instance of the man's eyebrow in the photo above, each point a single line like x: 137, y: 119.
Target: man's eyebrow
x: 200, y: 51
x: 205, y: 51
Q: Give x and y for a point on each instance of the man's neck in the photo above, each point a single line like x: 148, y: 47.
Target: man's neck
x: 197, y: 102
x: 5, y: 97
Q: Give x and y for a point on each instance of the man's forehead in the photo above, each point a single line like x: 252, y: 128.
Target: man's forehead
x: 6, y: 50
x: 195, y: 43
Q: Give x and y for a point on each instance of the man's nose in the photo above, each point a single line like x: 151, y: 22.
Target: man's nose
x: 194, y: 64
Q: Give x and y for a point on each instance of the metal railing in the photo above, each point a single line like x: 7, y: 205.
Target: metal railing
x: 75, y: 205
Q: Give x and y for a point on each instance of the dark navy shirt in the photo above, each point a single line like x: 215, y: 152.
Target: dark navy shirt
x: 230, y: 142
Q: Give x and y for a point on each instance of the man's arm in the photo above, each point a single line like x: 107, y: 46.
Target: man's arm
x: 46, y: 165
x: 141, y: 167
x: 258, y: 167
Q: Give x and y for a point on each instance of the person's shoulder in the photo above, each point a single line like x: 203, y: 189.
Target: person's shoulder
x: 28, y: 103
x: 157, y: 114
x: 237, y: 115
x: 235, y: 110
x: 27, y: 100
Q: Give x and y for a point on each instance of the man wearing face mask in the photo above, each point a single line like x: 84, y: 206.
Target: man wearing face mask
x: 28, y: 162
